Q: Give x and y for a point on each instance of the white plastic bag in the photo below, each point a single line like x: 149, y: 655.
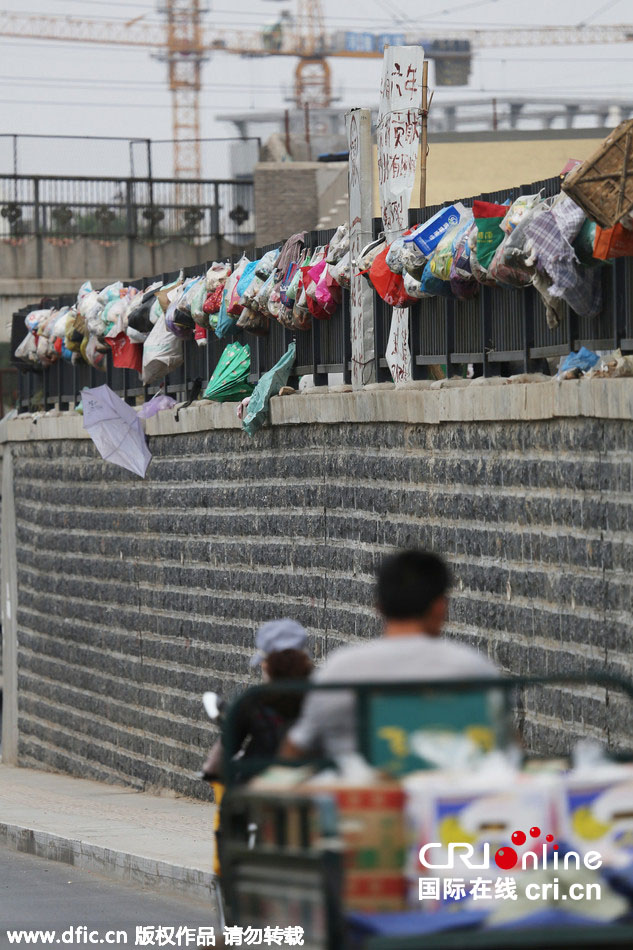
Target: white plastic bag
x: 162, y: 353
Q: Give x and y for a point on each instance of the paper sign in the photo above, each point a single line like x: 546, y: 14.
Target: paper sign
x: 398, y: 136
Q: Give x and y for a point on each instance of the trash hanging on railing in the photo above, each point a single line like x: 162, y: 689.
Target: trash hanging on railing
x: 548, y: 243
x: 144, y: 330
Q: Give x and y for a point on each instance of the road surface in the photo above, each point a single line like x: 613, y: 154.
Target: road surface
x: 36, y: 894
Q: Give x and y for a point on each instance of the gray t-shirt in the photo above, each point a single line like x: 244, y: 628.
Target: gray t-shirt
x: 328, y: 723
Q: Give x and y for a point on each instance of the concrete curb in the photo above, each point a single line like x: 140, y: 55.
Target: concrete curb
x: 133, y: 868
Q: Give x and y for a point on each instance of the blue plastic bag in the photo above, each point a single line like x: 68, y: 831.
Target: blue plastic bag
x: 225, y: 321
x: 583, y: 360
x: 432, y: 286
x: 247, y: 278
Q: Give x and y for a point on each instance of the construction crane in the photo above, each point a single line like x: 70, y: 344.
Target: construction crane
x: 183, y: 42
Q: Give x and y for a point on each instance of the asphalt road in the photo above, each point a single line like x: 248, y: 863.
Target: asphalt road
x: 36, y: 894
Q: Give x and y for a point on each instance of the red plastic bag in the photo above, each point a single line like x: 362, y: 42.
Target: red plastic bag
x: 612, y: 242
x: 213, y: 301
x: 125, y: 353
x: 388, y: 285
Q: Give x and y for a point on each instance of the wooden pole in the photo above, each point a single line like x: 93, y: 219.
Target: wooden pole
x: 423, y: 134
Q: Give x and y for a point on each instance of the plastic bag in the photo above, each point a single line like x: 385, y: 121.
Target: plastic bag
x: 261, y: 300
x: 369, y: 254
x: 197, y: 301
x: 432, y: 286
x: 328, y: 293
x: 254, y: 322
x: 412, y: 286
x: 413, y: 260
x: 517, y: 210
x: 267, y: 264
x: 388, y: 285
x: 110, y: 293
x: 225, y: 323
x: 612, y: 242
x: 213, y: 300
x: 339, y: 245
x: 489, y: 234
x: 269, y: 385
x: 443, y: 255
x: 217, y: 276
x: 232, y: 298
x: 125, y: 353
x: 32, y: 319
x: 162, y: 353
x: 288, y: 281
x: 509, y: 274
x: 248, y: 297
x: 93, y: 353
x: 342, y: 272
x: 395, y: 256
x: 27, y: 349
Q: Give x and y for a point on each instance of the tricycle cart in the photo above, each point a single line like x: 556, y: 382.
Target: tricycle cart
x: 291, y: 869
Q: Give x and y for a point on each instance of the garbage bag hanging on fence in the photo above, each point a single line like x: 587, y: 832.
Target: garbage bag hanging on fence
x: 115, y: 429
x: 162, y: 353
x: 125, y: 354
x: 269, y: 385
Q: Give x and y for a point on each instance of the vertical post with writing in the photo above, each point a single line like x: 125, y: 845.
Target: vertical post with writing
x: 358, y: 123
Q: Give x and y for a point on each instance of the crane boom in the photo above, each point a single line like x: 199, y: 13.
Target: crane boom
x: 184, y: 44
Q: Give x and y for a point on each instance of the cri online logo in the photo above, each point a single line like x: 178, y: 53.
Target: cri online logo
x: 507, y: 858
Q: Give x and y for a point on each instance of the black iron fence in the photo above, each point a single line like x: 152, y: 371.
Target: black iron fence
x: 324, y: 349
x: 153, y: 210
x: 501, y: 331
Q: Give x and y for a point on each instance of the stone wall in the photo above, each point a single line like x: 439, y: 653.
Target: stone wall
x: 135, y: 596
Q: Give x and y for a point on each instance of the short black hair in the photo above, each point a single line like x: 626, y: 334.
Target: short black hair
x: 408, y: 582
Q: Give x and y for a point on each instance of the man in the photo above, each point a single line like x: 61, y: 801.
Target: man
x: 412, y: 589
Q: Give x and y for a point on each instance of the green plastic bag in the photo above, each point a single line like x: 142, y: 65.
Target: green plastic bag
x: 489, y: 235
x: 269, y: 385
x: 229, y: 382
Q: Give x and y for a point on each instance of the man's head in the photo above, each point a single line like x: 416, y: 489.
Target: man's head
x: 411, y: 590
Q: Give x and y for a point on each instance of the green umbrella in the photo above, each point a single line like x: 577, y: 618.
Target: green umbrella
x: 229, y: 382
x: 269, y: 385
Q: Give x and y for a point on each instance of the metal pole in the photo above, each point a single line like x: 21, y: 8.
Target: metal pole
x: 495, y: 119
x: 306, y: 114
x: 423, y: 135
x: 287, y: 130
x: 148, y: 145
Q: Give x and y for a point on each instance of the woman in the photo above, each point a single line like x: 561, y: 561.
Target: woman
x: 263, y: 720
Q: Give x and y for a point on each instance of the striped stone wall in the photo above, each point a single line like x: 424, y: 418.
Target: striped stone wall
x: 135, y: 596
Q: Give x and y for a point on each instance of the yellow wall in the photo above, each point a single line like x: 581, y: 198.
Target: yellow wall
x: 459, y: 169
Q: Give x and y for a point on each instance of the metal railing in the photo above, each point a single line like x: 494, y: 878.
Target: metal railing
x: 502, y: 330
x: 323, y: 349
x: 151, y: 210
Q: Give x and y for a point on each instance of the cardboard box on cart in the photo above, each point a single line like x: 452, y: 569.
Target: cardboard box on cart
x: 370, y: 824
x: 482, y: 810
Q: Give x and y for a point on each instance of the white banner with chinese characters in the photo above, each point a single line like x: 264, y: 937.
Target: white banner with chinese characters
x: 398, y: 145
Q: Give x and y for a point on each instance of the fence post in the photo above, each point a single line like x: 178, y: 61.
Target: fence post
x: 37, y: 210
x: 449, y: 337
x: 484, y: 306
x: 130, y: 226
x: 528, y: 326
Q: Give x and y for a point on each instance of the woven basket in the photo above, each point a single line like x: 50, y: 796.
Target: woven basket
x: 603, y: 185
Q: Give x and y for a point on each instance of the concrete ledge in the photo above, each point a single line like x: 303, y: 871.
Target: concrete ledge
x: 160, y: 875
x: 515, y: 402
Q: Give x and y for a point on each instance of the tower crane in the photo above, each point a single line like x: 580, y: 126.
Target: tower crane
x: 184, y: 44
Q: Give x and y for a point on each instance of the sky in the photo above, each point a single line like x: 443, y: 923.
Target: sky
x: 50, y: 87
